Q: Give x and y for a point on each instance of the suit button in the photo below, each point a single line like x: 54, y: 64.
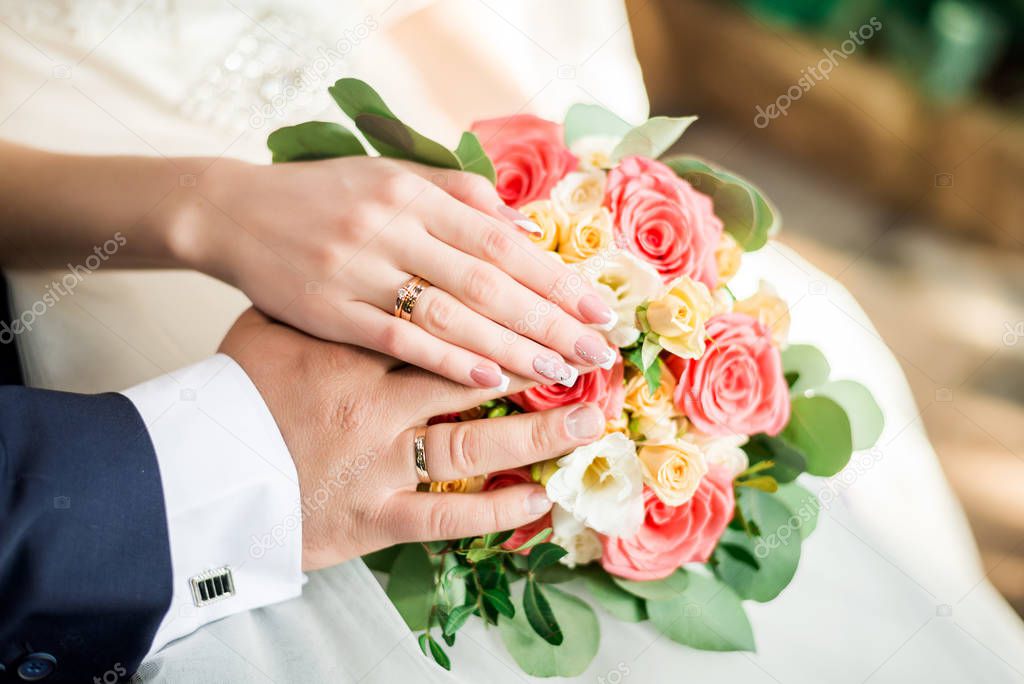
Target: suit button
x: 36, y: 666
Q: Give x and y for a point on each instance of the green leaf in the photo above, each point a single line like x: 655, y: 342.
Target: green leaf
x: 649, y: 351
x: 539, y: 614
x: 819, y: 427
x: 788, y: 462
x: 866, y: 419
x: 554, y: 574
x: 497, y: 538
x: 544, y: 555
x: 477, y: 555
x: 382, y: 560
x: 501, y: 601
x: 411, y: 586
x: 457, y: 617
x: 802, y: 504
x: 536, y: 657
x: 473, y: 158
x: 776, y: 550
x: 653, y: 137
x: 766, y: 483
x: 534, y: 540
x: 453, y: 582
x: 384, y: 130
x: 653, y: 377
x: 584, y: 120
x: 435, y: 650
x: 666, y: 588
x: 313, y: 140
x: 808, y: 363
x: 740, y: 554
x: 707, y: 616
x: 614, y: 599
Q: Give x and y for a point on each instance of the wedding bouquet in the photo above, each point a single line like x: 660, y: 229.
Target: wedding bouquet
x: 689, y: 504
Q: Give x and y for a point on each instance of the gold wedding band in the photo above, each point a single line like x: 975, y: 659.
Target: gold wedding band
x: 419, y: 451
x: 408, y: 293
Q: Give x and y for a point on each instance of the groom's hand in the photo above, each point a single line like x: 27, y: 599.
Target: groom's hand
x: 349, y: 417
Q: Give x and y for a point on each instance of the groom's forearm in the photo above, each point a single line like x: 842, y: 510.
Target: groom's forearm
x: 57, y: 209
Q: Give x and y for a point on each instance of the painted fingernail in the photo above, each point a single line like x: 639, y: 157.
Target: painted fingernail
x: 554, y: 368
x: 520, y: 219
x: 488, y: 376
x: 597, y: 312
x: 594, y: 351
x: 585, y: 422
x: 537, y: 503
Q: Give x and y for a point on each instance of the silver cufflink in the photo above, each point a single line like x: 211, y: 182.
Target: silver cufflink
x: 211, y: 586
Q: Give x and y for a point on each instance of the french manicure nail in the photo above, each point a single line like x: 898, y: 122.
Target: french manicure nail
x: 520, y: 219
x: 584, y: 422
x: 489, y: 377
x: 594, y: 351
x: 596, y: 311
x: 537, y: 503
x: 554, y: 368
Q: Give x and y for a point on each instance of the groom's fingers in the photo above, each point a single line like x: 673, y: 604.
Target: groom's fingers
x: 476, y: 447
x: 419, y: 516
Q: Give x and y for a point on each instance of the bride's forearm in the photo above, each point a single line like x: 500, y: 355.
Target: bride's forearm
x: 57, y: 209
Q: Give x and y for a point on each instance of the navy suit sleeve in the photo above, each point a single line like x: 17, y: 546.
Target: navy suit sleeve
x: 85, y: 565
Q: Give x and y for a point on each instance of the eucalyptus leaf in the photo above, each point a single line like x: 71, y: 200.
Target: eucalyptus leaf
x: 473, y: 158
x: 820, y: 428
x: 866, y: 419
x: 453, y: 580
x: 583, y: 120
x: 384, y: 130
x: 808, y: 363
x: 617, y: 601
x: 788, y: 461
x: 653, y: 137
x: 707, y: 616
x: 536, y: 657
x: 382, y: 560
x: 313, y: 140
x: 776, y: 551
x: 802, y: 504
x: 666, y: 588
x: 411, y: 586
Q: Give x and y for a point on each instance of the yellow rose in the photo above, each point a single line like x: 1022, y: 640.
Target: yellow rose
x: 466, y: 485
x: 620, y: 424
x: 586, y: 235
x: 549, y: 218
x: 641, y: 403
x: 768, y: 308
x: 728, y: 256
x: 673, y: 470
x: 679, y: 315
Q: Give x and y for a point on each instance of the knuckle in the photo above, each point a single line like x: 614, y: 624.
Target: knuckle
x: 539, y: 438
x: 389, y: 339
x: 401, y: 187
x: 481, y: 285
x: 461, y: 452
x: 442, y: 521
x: 496, y: 245
x: 440, y: 314
x: 545, y: 326
x: 477, y: 188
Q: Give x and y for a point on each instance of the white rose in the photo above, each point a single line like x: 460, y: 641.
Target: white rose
x: 623, y: 282
x: 601, y: 484
x: 582, y: 544
x: 595, y: 151
x: 723, y: 451
x: 579, y: 192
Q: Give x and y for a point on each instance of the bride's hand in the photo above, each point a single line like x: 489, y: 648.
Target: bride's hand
x: 349, y: 417
x: 325, y: 245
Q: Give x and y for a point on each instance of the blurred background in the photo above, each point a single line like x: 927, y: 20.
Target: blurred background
x: 892, y: 132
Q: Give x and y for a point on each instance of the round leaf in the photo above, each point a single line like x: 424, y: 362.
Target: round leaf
x: 583, y: 120
x: 653, y: 137
x: 707, y: 616
x: 807, y: 364
x: 539, y: 658
x: 802, y: 504
x: 666, y: 588
x: 820, y: 429
x: 777, y: 550
x: 866, y: 419
x: 614, y: 599
x: 411, y: 586
x: 313, y: 140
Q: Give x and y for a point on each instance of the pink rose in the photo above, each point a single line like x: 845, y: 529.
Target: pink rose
x: 737, y: 387
x: 528, y: 154
x: 660, y: 218
x: 673, y: 535
x: 602, y: 387
x: 507, y: 478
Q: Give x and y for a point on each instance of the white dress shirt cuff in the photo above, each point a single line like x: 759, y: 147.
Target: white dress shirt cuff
x: 230, y: 490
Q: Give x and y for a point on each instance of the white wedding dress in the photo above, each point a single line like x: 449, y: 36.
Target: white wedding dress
x: 889, y: 589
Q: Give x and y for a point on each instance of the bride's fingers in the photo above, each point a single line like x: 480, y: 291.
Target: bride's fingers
x: 418, y: 516
x: 476, y: 447
x: 404, y: 340
x: 492, y: 293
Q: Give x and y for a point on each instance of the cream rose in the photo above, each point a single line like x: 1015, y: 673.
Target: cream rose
x: 769, y: 309
x: 728, y: 256
x: 723, y: 451
x: 595, y: 151
x: 579, y: 192
x: 582, y: 544
x: 586, y: 235
x: 673, y: 470
x: 623, y: 282
x: 679, y: 315
x: 550, y: 218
